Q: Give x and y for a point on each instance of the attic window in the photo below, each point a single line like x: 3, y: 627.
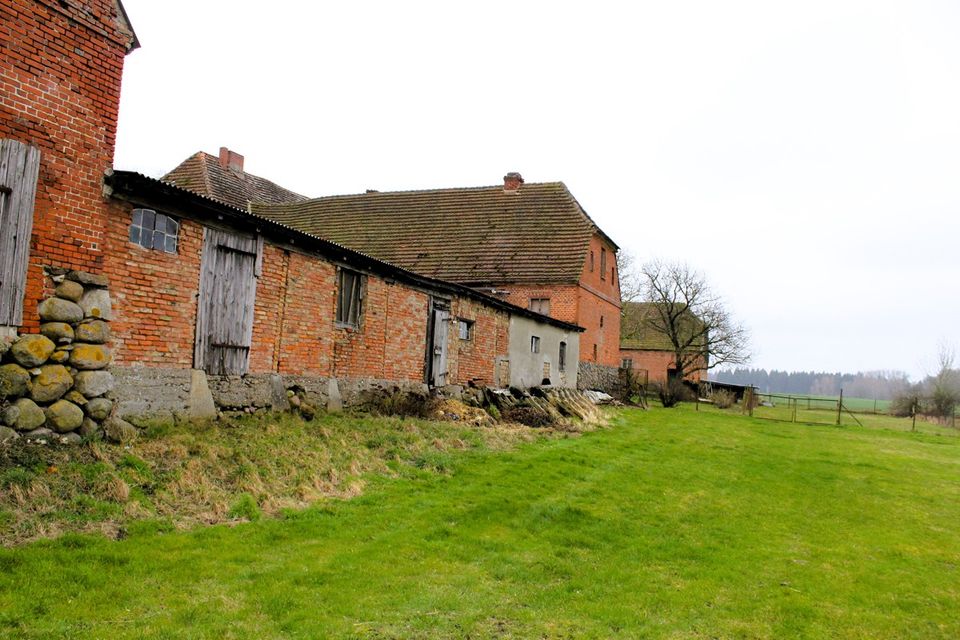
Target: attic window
x: 152, y: 230
x: 349, y: 298
x: 540, y: 305
x: 603, y: 264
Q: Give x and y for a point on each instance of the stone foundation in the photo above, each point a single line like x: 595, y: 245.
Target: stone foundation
x: 54, y: 385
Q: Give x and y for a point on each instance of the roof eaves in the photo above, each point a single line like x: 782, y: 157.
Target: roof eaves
x: 127, y: 179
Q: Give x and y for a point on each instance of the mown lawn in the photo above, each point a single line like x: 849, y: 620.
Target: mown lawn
x: 670, y: 524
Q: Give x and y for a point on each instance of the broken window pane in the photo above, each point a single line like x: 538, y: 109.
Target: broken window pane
x: 152, y: 230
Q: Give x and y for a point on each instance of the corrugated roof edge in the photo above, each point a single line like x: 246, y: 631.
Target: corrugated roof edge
x: 127, y: 183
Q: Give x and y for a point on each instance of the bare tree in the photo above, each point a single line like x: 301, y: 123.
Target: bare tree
x: 945, y: 385
x: 700, y: 330
x: 631, y: 281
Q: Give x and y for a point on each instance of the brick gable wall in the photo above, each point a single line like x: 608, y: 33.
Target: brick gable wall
x: 60, y: 72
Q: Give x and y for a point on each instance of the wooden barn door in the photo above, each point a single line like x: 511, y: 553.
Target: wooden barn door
x: 228, y: 286
x: 437, y: 345
x: 19, y: 167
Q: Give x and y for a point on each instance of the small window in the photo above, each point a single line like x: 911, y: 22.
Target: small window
x: 152, y: 230
x: 562, y: 360
x: 594, y: 353
x: 601, y: 322
x: 465, y: 328
x: 540, y: 305
x: 349, y: 298
x: 591, y: 262
x: 534, y: 344
x: 603, y: 264
x: 626, y: 363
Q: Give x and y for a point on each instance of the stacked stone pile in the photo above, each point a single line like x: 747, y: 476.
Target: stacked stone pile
x: 53, y: 384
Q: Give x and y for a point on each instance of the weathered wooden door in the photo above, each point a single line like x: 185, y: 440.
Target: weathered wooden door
x: 228, y: 285
x: 437, y: 347
x: 19, y: 167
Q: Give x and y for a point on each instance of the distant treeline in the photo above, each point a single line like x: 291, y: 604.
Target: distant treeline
x: 881, y: 385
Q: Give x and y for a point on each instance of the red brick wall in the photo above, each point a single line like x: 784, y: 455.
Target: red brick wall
x: 563, y: 298
x: 60, y: 72
x: 306, y: 340
x: 656, y: 363
x: 593, y: 311
x: 474, y: 360
x: 268, y: 310
x: 154, y: 294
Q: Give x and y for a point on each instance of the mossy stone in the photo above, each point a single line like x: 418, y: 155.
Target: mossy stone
x: 54, y: 381
x: 59, y: 332
x: 14, y: 380
x: 88, y: 357
x: 63, y: 416
x: 59, y: 310
x: 93, y: 331
x: 69, y: 290
x: 32, y: 350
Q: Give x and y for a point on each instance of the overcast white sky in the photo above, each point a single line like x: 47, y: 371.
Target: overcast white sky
x: 804, y: 155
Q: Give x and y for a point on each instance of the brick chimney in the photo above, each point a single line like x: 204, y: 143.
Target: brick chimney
x: 231, y: 159
x: 512, y: 181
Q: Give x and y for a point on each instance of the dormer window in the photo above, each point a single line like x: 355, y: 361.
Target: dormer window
x: 152, y: 230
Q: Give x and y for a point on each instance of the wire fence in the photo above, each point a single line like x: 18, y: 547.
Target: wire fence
x: 787, y: 408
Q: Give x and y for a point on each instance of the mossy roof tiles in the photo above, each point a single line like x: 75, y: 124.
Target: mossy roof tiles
x: 477, y: 236
x: 203, y: 174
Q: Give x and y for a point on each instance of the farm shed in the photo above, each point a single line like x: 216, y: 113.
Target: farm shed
x: 240, y: 295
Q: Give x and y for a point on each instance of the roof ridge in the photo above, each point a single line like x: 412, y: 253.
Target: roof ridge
x: 373, y: 194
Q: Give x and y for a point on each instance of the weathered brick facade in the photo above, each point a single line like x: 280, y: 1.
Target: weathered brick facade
x: 593, y: 303
x: 655, y: 363
x: 60, y: 71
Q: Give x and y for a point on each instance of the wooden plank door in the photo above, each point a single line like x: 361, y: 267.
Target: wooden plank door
x: 439, y: 325
x: 19, y: 167
x: 229, y: 268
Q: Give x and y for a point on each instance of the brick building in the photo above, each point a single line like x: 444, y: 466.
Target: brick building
x: 647, y: 350
x: 531, y: 244
x: 60, y: 72
x: 198, y: 284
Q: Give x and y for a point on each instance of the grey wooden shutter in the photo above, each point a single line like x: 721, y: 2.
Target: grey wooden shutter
x: 19, y: 168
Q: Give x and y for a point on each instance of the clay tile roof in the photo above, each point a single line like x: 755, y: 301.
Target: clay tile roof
x: 474, y: 236
x: 203, y: 174
x: 637, y: 331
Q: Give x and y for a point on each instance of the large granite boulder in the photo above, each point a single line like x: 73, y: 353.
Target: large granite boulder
x: 59, y: 332
x: 69, y: 290
x: 99, y: 408
x: 14, y: 380
x: 96, y: 304
x: 29, y: 415
x: 93, y: 331
x: 32, y: 350
x: 59, y: 310
x: 89, y: 357
x: 54, y: 381
x: 93, y: 383
x: 119, y: 431
x: 64, y: 416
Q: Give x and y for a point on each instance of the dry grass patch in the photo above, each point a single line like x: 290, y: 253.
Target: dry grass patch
x: 236, y: 469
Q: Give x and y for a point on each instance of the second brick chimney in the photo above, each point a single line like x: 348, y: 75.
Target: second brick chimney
x: 512, y: 181
x: 231, y: 159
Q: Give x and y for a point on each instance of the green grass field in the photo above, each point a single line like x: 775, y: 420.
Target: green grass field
x: 857, y: 405
x: 669, y: 524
